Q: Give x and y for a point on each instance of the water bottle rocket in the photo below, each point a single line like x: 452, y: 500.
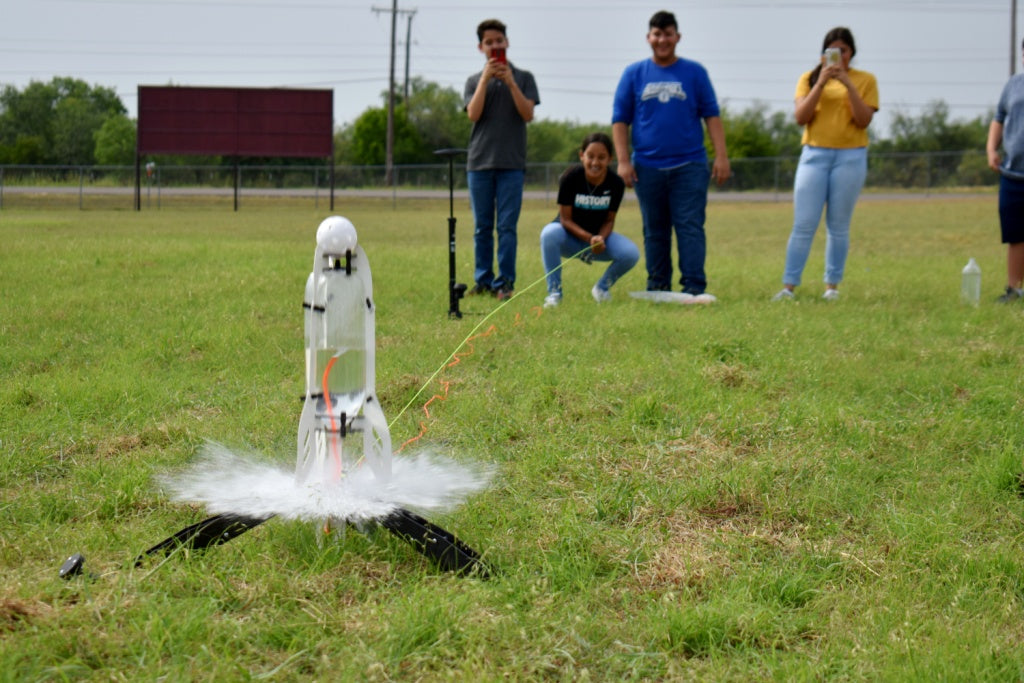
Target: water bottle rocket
x: 340, y: 401
x: 970, y: 283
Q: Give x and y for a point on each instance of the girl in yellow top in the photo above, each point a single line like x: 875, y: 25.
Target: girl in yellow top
x: 835, y: 104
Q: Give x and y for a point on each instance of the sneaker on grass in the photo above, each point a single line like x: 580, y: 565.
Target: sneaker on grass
x: 703, y: 298
x: 600, y: 295
x: 1011, y: 294
x: 552, y: 299
x: 784, y: 295
x: 831, y: 295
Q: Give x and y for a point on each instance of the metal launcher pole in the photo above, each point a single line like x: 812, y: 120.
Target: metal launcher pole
x: 455, y: 290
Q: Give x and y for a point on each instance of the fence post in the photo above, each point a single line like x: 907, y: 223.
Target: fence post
x: 775, y: 182
x: 81, y: 184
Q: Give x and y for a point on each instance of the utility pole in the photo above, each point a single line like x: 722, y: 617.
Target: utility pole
x: 389, y: 146
x: 1013, y: 37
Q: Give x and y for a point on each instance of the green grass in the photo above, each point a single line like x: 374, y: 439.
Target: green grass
x: 743, y: 491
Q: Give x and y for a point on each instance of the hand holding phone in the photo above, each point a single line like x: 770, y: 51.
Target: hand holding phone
x: 498, y: 55
x: 833, y: 56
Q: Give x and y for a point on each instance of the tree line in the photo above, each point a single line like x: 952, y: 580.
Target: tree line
x: 69, y: 122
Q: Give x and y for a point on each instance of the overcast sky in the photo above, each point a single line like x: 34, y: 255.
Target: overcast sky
x: 920, y: 50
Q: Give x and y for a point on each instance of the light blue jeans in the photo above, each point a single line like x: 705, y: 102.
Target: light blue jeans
x: 556, y: 243
x: 829, y: 179
x: 495, y: 193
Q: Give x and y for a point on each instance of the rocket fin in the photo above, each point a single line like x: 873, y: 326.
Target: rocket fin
x: 377, y: 439
x: 306, y: 446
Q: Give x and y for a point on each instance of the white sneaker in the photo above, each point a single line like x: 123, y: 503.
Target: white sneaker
x: 831, y: 295
x: 784, y: 295
x: 703, y: 298
x: 552, y: 299
x: 600, y: 295
x: 663, y: 297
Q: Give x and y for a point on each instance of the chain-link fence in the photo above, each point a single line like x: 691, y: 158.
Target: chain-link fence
x: 89, y: 187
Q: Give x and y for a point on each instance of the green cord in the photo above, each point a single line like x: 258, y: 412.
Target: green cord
x: 473, y: 332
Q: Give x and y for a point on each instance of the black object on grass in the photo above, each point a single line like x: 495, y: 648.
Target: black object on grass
x: 456, y: 290
x: 440, y: 546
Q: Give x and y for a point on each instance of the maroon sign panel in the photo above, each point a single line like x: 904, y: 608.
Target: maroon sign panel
x: 245, y: 122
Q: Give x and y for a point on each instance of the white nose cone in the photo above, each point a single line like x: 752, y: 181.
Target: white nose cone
x: 336, y: 235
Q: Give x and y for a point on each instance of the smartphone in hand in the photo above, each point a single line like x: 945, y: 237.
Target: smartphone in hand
x: 498, y: 54
x: 833, y: 55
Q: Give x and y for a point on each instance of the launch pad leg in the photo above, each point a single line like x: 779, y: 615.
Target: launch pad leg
x: 448, y: 552
x: 441, y: 546
x: 212, y: 531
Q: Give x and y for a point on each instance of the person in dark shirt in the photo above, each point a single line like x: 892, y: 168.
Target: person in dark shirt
x: 588, y: 199
x: 499, y: 100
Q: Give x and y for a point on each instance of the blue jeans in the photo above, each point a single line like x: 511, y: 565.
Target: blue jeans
x: 495, y: 192
x: 556, y: 243
x: 824, y: 176
x: 674, y: 198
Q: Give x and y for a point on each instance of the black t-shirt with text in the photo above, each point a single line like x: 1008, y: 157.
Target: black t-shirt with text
x: 590, y: 204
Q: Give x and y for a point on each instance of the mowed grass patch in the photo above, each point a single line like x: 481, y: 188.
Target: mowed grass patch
x: 741, y: 491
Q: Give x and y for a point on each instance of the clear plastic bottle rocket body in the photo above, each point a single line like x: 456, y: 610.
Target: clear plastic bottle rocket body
x: 970, y: 283
x: 340, y: 402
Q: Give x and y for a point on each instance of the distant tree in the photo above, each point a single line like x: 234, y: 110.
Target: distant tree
x: 58, y: 119
x: 785, y: 133
x: 343, y: 144
x: 437, y: 115
x: 434, y: 118
x: 26, y: 149
x: 115, y: 141
x: 930, y: 131
x: 933, y: 131
x: 757, y: 132
x: 747, y: 134
x: 73, y: 129
x: 369, y: 139
x: 26, y: 115
x: 549, y: 141
x: 755, y: 138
